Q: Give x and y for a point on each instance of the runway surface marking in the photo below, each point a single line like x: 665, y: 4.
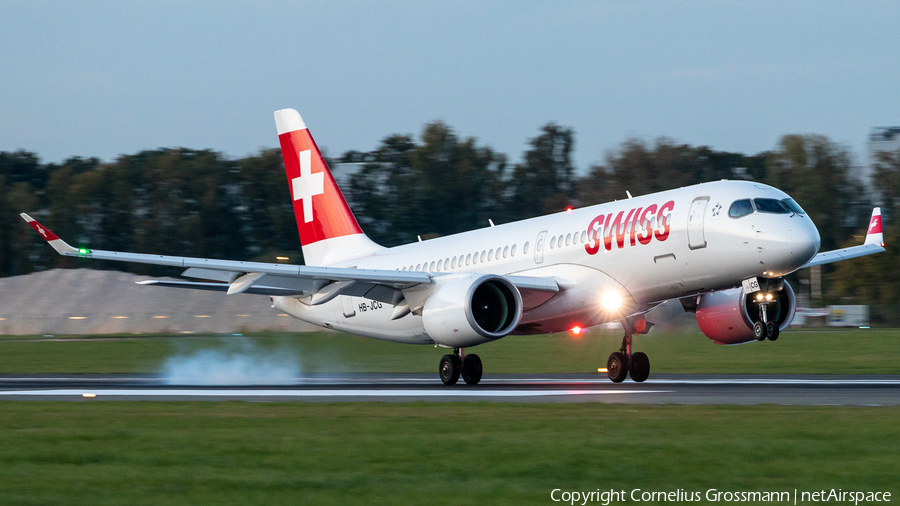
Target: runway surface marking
x: 427, y: 380
x: 318, y: 393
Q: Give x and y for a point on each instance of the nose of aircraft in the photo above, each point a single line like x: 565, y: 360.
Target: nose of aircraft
x: 806, y: 241
x: 798, y: 245
x: 790, y: 244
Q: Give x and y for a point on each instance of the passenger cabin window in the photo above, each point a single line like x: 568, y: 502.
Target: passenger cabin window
x: 793, y: 206
x: 771, y: 206
x: 740, y: 208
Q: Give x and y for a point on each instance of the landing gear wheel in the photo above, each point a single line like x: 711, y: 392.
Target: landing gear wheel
x: 759, y: 331
x: 617, y: 367
x: 471, y: 369
x: 772, y: 331
x: 640, y: 367
x: 449, y: 369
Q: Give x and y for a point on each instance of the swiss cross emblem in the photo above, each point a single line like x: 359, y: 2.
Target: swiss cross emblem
x: 41, y: 230
x: 307, y: 185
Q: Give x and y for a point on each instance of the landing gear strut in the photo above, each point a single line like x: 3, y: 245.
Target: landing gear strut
x: 624, y: 361
x: 469, y: 366
x: 764, y: 328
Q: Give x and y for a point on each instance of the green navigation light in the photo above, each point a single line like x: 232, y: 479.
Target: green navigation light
x: 83, y: 251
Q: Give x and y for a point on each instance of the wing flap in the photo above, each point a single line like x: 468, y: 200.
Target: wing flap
x: 221, y: 287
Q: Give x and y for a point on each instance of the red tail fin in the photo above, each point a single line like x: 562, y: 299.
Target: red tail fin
x: 320, y: 209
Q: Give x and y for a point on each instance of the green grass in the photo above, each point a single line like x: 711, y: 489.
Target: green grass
x: 812, y: 352
x: 428, y: 453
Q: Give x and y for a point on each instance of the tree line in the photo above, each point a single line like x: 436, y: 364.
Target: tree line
x: 200, y: 203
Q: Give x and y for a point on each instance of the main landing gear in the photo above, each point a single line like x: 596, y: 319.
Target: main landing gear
x: 623, y: 362
x: 452, y: 366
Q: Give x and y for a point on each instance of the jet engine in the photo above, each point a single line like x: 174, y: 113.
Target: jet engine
x: 472, y: 310
x: 727, y: 317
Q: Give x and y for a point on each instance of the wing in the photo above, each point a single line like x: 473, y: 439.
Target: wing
x: 874, y: 243
x: 321, y: 284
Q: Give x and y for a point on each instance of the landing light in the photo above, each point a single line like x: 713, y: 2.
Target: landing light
x: 768, y: 296
x: 602, y: 369
x: 576, y: 330
x: 611, y: 301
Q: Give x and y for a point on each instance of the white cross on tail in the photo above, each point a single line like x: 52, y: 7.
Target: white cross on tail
x: 307, y: 185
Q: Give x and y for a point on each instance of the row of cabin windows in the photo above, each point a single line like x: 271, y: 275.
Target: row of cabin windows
x: 576, y: 238
x: 468, y: 259
x: 569, y: 239
x: 490, y: 255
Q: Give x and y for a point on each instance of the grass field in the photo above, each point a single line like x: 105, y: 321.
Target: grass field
x: 813, y: 352
x: 150, y: 453
x: 153, y: 453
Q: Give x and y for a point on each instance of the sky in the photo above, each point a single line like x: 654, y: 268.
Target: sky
x: 100, y: 79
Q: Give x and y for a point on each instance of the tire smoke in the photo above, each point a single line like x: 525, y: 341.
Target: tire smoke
x: 241, y: 363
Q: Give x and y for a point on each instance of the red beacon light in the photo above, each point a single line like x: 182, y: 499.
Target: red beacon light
x: 576, y: 330
x: 569, y: 209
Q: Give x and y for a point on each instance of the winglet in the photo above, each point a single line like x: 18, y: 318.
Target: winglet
x: 874, y: 235
x: 58, y: 244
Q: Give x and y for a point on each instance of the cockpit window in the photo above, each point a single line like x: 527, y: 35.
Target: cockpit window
x: 793, y: 206
x: 740, y: 208
x: 771, y: 206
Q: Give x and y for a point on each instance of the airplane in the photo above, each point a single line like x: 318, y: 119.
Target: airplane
x: 721, y: 248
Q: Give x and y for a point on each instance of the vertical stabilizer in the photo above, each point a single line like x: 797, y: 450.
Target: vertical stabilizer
x: 329, y: 232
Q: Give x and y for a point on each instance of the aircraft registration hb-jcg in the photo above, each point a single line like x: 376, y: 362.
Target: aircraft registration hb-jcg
x: 721, y: 248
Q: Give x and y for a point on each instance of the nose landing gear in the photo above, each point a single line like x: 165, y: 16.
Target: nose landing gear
x: 623, y: 362
x: 764, y: 329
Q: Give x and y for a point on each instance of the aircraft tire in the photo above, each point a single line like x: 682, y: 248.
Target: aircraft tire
x: 773, y: 331
x: 617, y: 367
x: 759, y: 331
x: 449, y: 369
x: 472, y: 369
x: 640, y: 367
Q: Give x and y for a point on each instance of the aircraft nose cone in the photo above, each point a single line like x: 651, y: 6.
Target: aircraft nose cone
x: 805, y: 241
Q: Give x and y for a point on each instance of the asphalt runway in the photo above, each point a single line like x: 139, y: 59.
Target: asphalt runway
x: 659, y: 389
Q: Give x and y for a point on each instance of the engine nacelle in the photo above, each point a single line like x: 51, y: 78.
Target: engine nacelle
x: 472, y: 310
x: 727, y: 317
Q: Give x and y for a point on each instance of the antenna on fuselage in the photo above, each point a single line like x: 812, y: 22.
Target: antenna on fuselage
x: 491, y: 222
x: 629, y: 194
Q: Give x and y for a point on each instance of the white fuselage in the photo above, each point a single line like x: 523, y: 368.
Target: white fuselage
x: 649, y: 248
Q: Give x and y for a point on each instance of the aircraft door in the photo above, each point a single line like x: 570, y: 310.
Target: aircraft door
x: 697, y: 214
x: 539, y: 247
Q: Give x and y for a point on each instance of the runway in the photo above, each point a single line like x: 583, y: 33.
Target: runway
x: 659, y: 389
